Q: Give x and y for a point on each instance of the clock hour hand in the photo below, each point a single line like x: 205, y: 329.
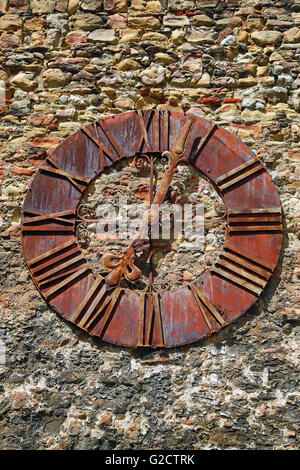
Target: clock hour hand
x: 124, y: 264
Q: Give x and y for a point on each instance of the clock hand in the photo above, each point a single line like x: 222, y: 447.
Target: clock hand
x: 125, y: 262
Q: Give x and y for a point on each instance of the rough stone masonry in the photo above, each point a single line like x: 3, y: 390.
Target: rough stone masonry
x: 66, y: 63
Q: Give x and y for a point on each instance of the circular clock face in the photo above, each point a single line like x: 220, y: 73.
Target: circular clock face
x: 127, y: 301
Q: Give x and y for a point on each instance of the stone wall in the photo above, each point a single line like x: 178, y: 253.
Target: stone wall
x: 68, y: 62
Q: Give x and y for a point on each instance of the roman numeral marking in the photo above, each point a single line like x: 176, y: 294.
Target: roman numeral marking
x: 141, y: 325
x: 110, y: 138
x: 158, y: 123
x: 43, y: 223
x: 90, y: 295
x: 156, y: 133
x: 144, y: 139
x: 59, y: 266
x: 109, y: 306
x: 149, y: 317
x: 157, y: 316
x: 93, y: 313
x: 202, y: 302
x: 255, y: 220
x: 236, y: 266
x: 79, y: 182
x: 94, y: 136
x: 238, y: 174
x: 207, y: 136
x: 164, y: 128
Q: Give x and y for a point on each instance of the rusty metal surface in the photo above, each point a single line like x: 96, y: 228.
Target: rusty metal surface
x: 133, y: 318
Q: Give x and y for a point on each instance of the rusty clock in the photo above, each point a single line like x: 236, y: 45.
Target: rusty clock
x: 127, y: 316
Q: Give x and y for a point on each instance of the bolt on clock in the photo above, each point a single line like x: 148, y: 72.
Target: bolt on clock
x: 121, y: 303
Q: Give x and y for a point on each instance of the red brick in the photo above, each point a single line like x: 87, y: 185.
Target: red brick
x: 23, y: 171
x: 231, y: 100
x: 210, y: 101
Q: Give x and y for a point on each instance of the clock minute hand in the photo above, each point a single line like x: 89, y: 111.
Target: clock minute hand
x: 174, y: 157
x: 125, y: 262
